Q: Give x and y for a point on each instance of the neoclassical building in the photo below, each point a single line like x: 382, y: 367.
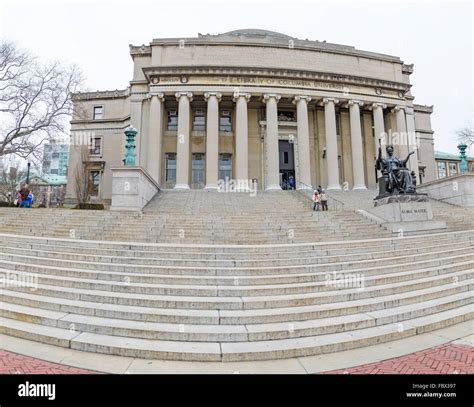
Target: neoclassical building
x: 253, y: 105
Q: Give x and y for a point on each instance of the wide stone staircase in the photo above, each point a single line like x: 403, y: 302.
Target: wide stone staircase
x: 198, y: 217
x: 339, y: 283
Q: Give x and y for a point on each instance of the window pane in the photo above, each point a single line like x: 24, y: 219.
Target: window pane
x: 225, y: 121
x: 172, y: 120
x: 225, y: 166
x: 198, y: 168
x: 199, y: 122
x: 98, y: 112
x: 170, y: 167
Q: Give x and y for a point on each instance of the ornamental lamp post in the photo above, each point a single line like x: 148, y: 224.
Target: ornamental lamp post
x: 462, y: 150
x: 129, y: 160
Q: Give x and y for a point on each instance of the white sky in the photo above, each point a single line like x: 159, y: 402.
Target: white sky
x: 436, y: 37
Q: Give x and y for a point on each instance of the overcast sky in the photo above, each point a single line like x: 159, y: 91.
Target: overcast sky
x: 436, y: 37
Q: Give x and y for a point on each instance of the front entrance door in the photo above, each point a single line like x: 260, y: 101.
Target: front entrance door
x: 287, y: 165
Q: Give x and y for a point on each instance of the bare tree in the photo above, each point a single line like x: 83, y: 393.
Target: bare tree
x: 81, y: 178
x: 35, y: 101
x: 10, y: 177
x: 466, y: 135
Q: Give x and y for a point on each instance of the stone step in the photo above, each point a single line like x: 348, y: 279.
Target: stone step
x: 231, y: 333
x: 234, y: 351
x: 128, y: 272
x: 232, y: 317
x: 196, y: 300
x: 42, y: 252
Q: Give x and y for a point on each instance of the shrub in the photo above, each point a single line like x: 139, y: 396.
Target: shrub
x: 4, y: 204
x: 93, y: 206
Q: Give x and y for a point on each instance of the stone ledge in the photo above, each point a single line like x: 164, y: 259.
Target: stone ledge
x: 132, y: 188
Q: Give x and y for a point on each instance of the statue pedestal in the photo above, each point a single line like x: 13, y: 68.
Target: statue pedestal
x: 132, y: 188
x: 405, y: 213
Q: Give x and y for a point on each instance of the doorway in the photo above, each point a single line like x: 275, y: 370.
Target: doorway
x: 287, y: 165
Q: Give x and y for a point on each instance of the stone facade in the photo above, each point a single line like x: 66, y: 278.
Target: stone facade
x: 256, y: 106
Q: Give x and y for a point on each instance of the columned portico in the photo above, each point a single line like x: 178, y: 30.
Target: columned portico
x: 304, y: 181
x: 183, y: 147
x: 212, y: 139
x: 356, y: 144
x: 155, y: 136
x: 241, y: 137
x: 272, y: 176
x: 331, y: 143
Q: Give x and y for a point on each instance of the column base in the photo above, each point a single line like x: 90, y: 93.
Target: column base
x: 275, y: 187
x: 333, y: 187
x: 306, y: 187
x: 359, y: 188
x: 182, y: 187
x: 211, y: 187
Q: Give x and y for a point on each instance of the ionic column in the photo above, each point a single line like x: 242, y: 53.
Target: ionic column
x: 331, y: 143
x: 212, y: 139
x: 402, y: 130
x: 272, y: 157
x: 155, y: 136
x: 303, y: 141
x: 241, y: 136
x: 412, y: 143
x: 379, y: 126
x: 356, y: 145
x: 182, y: 147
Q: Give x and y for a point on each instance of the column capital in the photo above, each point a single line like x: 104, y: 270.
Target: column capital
x: 189, y: 95
x: 377, y: 104
x: 159, y: 95
x: 240, y: 95
x: 299, y: 98
x: 398, y: 108
x: 267, y: 97
x: 207, y: 95
x: 355, y: 103
x: 325, y: 101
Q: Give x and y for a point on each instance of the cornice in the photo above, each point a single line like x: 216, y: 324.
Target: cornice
x: 153, y: 75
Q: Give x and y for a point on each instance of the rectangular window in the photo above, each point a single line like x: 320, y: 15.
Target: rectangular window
x: 286, y: 116
x: 95, y: 148
x: 198, y: 168
x: 441, y: 169
x: 94, y: 182
x: 172, y: 123
x: 199, y: 120
x: 98, y: 112
x: 170, y: 166
x: 225, y: 121
x: 225, y: 166
x: 285, y: 157
x: 453, y: 169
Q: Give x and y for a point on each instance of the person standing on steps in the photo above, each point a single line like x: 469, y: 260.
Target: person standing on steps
x: 24, y: 192
x: 316, y: 201
x: 324, y: 200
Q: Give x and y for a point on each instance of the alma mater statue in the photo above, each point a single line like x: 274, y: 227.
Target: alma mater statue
x: 397, y: 177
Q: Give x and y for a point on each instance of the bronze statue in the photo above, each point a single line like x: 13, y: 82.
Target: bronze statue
x: 397, y: 177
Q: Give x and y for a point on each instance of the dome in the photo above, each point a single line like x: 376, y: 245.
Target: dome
x: 255, y: 32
